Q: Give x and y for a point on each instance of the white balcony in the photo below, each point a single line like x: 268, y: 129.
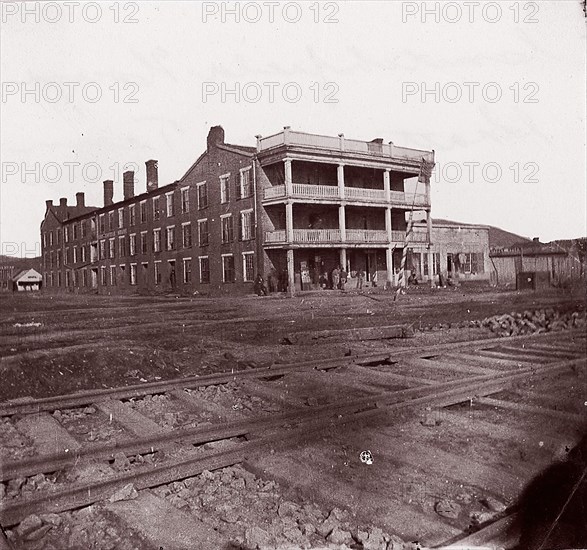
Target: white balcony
x: 334, y: 237
x: 330, y: 143
x: 304, y: 191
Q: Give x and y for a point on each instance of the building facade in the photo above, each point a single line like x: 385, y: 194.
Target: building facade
x: 292, y: 208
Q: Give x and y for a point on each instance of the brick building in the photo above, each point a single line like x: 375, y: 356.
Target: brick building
x: 291, y: 208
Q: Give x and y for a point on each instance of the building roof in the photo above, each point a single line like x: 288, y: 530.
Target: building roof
x: 28, y: 275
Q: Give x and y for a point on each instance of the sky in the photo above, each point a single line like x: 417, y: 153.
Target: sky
x: 497, y: 89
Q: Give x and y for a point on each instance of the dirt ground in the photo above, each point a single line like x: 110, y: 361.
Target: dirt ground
x: 56, y: 344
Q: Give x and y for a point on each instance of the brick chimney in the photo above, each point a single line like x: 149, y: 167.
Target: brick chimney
x: 108, y: 192
x: 536, y: 239
x: 152, y: 175
x: 215, y: 135
x: 49, y: 204
x: 63, y: 201
x: 128, y: 178
x: 80, y: 200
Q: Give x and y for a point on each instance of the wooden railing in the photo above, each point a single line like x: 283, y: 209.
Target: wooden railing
x: 331, y: 192
x: 333, y: 236
x: 317, y: 141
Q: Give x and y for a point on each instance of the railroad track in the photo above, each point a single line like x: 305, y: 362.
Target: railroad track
x: 290, y: 402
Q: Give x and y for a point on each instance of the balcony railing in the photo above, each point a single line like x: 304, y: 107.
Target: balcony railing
x: 331, y: 192
x: 353, y: 236
x: 316, y: 141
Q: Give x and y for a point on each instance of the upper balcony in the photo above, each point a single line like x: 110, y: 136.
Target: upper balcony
x: 332, y: 193
x: 342, y: 148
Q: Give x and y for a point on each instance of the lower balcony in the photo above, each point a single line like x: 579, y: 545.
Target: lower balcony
x: 333, y: 237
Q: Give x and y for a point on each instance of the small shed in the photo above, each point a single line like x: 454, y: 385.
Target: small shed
x: 27, y: 280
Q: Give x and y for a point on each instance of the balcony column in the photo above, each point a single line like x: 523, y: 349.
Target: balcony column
x: 389, y: 265
x: 288, y: 180
x: 289, y: 234
x: 290, y: 272
x: 388, y: 224
x: 387, y: 186
x: 342, y: 228
x: 430, y: 254
x: 340, y: 179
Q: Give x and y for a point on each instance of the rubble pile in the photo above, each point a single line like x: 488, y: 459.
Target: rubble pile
x: 86, y: 424
x: 253, y: 515
x: 84, y: 528
x: 530, y: 322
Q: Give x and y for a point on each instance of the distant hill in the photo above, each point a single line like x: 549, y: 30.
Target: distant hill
x: 21, y: 263
x: 499, y: 238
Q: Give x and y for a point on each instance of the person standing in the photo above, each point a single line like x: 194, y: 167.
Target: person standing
x: 343, y: 278
x: 360, y: 278
x: 335, y: 278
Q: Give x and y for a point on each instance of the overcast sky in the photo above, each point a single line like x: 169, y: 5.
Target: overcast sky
x: 496, y: 89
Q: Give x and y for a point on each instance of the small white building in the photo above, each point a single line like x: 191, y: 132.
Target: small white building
x: 27, y: 280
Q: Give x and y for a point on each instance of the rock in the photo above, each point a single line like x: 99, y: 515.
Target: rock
x: 128, y: 492
x: 2, y: 490
x: 374, y: 539
x: 288, y: 509
x: 493, y: 504
x: 338, y: 536
x: 447, y: 509
x: 51, y: 519
x: 312, y: 402
x: 14, y: 486
x: 28, y: 525
x: 89, y: 410
x: 430, y: 419
x: 206, y: 474
x: 230, y: 516
x: 395, y: 543
x: 255, y: 536
x: 121, y: 462
x: 293, y: 534
x: 307, y: 529
x: 39, y: 533
x: 479, y: 518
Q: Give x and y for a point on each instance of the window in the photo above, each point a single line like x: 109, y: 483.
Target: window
x: 84, y: 253
x: 143, y: 210
x: 436, y: 265
x: 121, y: 246
x: 186, y: 234
x: 170, y: 238
x: 84, y: 231
x: 202, y: 195
x: 132, y: 244
x: 248, y: 266
x: 204, y: 269
x: 246, y: 228
x: 122, y: 273
x: 111, y: 226
x: 187, y: 270
x: 156, y: 212
x: 227, y: 268
x: 111, y: 248
x: 143, y: 242
x: 75, y: 254
x: 75, y: 232
x: 84, y: 278
x: 44, y: 240
x: 132, y: 214
x: 133, y: 274
x: 103, y: 280
x: 169, y: 204
x: 246, y: 188
x: 102, y: 249
x: 185, y: 200
x: 113, y: 275
x: 158, y: 273
x: 50, y: 238
x: 477, y: 262
x: 225, y: 188
x: 66, y: 229
x: 156, y: 240
x: 59, y: 236
x: 102, y: 223
x: 227, y: 232
x: 203, y: 232
x: 120, y: 219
